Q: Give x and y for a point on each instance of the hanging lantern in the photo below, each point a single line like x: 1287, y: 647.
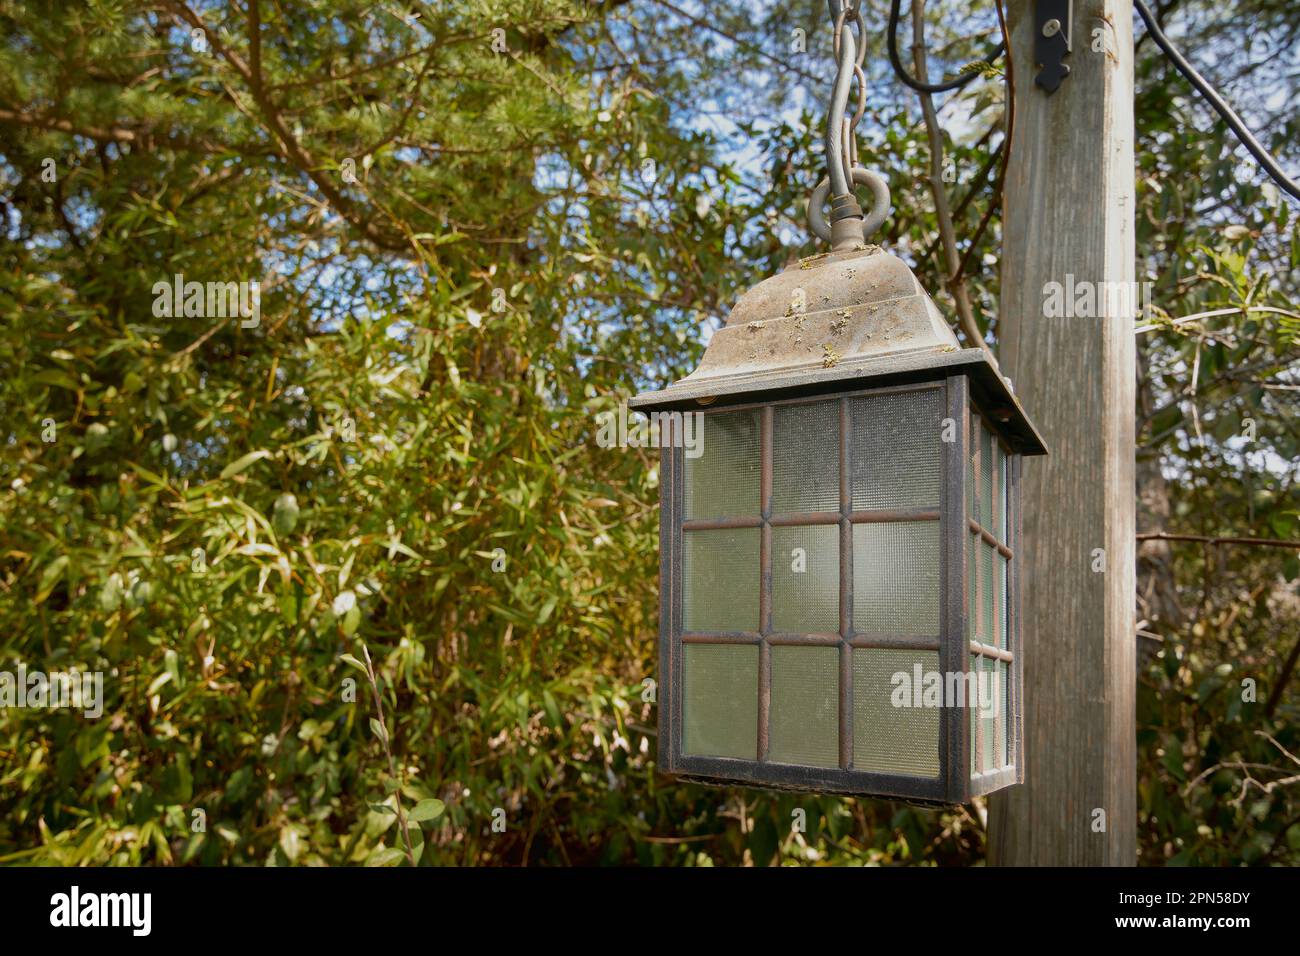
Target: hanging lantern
x: 839, y: 537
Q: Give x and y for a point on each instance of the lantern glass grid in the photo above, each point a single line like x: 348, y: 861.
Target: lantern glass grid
x: 989, y: 554
x: 811, y: 536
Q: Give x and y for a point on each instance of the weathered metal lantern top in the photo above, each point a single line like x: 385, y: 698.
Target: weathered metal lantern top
x: 831, y: 323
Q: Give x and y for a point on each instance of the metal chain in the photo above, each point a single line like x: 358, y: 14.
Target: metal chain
x: 850, y: 54
x: 842, y: 166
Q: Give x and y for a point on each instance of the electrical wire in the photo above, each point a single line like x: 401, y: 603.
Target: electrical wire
x: 913, y: 82
x: 1201, y: 85
x: 1211, y: 96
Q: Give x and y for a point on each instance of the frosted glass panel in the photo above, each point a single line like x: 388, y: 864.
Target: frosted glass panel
x: 972, y: 501
x: 1003, y: 720
x: 896, y: 448
x: 806, y: 457
x: 990, y: 703
x: 724, y: 480
x: 974, y: 714
x: 896, y: 578
x: 720, y: 700
x: 720, y: 572
x: 889, y: 738
x: 806, y: 580
x: 986, y: 480
x: 804, y: 726
x: 1000, y: 585
x: 1000, y: 487
x: 986, y: 553
x: 972, y: 586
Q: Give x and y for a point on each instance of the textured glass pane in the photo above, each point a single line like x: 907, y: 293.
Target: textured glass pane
x: 723, y: 480
x: 990, y: 702
x: 974, y: 713
x: 896, y: 448
x: 805, y: 721
x: 986, y: 479
x: 720, y: 573
x: 972, y: 586
x: 1000, y: 484
x: 806, y: 580
x: 896, y: 578
x: 891, y: 733
x: 806, y: 457
x: 986, y: 553
x: 720, y: 700
x: 1004, y: 715
x: 1001, y: 585
x: 971, y: 501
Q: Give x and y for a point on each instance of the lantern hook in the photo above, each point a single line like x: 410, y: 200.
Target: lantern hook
x: 843, y: 231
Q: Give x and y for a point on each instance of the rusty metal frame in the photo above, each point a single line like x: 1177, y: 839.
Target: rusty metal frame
x: 667, y: 696
x: 954, y: 737
x: 1007, y: 544
x: 954, y: 783
x: 947, y: 786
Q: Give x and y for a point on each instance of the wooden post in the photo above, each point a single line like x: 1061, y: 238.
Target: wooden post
x: 1068, y: 209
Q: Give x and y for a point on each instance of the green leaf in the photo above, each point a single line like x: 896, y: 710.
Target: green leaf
x: 240, y: 464
x: 171, y: 661
x: 353, y: 662
x: 390, y: 856
x: 552, y: 709
x: 427, y: 810
x: 157, y: 683
x: 290, y: 843
x: 284, y: 515
x: 50, y: 577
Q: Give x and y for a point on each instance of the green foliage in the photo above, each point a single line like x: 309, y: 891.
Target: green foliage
x: 463, y: 258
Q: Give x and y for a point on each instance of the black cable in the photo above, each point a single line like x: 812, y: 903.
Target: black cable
x: 1216, y: 101
x: 912, y: 81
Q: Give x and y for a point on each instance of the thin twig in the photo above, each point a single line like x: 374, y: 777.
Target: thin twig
x: 1206, y: 539
x: 392, y: 764
x: 713, y: 27
x: 1235, y: 310
x: 953, y: 280
x: 1009, y: 111
x: 977, y: 183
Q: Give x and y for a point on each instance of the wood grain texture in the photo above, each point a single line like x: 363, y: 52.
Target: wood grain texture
x: 1068, y: 210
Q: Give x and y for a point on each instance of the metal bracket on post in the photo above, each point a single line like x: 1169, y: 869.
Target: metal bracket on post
x: 1052, y: 20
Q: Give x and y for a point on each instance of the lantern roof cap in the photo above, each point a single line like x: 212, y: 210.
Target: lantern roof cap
x: 834, y: 323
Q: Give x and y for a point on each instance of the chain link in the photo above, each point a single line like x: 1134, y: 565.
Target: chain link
x: 850, y: 12
x: 842, y: 167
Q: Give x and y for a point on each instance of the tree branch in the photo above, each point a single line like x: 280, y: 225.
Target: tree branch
x: 953, y: 280
x: 1208, y: 539
x: 147, y: 137
x: 294, y: 151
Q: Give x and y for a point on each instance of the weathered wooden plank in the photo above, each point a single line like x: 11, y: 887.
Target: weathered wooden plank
x: 1068, y: 210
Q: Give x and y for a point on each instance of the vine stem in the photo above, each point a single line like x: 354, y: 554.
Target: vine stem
x: 953, y: 278
x: 392, y: 764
